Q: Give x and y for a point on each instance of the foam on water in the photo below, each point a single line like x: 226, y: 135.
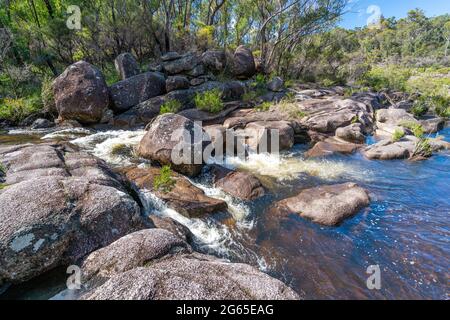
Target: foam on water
x: 71, y: 133
x: 102, y: 144
x: 209, y: 234
x: 290, y: 166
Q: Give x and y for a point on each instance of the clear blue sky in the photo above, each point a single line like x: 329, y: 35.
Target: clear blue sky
x: 357, y: 17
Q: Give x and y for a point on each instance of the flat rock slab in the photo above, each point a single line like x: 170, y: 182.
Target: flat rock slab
x: 326, y: 205
x: 183, y: 197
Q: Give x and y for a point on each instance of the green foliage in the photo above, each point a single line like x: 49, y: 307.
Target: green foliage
x: 164, y: 181
x: 170, y: 106
x: 387, y: 77
x: 397, y: 135
x: 416, y: 128
x: 2, y: 169
x: 110, y: 74
x: 210, y: 101
x: 260, y: 80
x: 15, y: 110
x: 265, y: 106
x: 3, y: 186
x: 355, y: 119
x: 441, y: 106
x: 420, y: 107
x: 422, y: 149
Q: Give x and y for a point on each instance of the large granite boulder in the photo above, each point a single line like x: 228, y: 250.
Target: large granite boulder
x: 181, y: 195
x: 81, y: 94
x: 352, y: 133
x: 59, y: 205
x: 326, y: 205
x: 126, y: 65
x: 243, y: 66
x: 154, y: 265
x: 214, y: 60
x: 241, y: 185
x: 174, y: 140
x: 132, y: 91
x: 276, y: 84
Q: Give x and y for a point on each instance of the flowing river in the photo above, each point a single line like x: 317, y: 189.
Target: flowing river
x: 405, y: 230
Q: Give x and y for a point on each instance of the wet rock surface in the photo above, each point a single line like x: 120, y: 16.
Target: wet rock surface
x: 326, y: 205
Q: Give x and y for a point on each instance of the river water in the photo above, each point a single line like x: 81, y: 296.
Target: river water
x: 405, y: 231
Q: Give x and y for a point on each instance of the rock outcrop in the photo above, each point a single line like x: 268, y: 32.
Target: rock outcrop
x: 214, y: 60
x: 132, y: 91
x: 154, y: 265
x: 330, y: 146
x: 81, y: 94
x: 243, y: 65
x: 59, y: 205
x: 176, y: 83
x: 326, y: 205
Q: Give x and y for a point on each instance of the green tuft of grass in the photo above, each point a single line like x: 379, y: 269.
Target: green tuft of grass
x: 423, y: 149
x: 210, y: 101
x: 397, y: 135
x: 416, y: 128
x: 164, y: 181
x: 265, y: 106
x: 170, y: 106
x: 15, y: 110
x: 420, y: 107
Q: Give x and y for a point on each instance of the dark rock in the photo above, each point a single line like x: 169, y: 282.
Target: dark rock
x: 214, y: 60
x: 172, y: 226
x: 197, y: 71
x: 176, y: 83
x: 126, y: 65
x: 276, y: 84
x: 169, y: 56
x: 42, y: 124
x: 183, y: 64
x: 197, y: 81
x: 132, y: 91
x: 183, y: 196
x: 327, y: 205
x: 81, y: 93
x: 243, y: 63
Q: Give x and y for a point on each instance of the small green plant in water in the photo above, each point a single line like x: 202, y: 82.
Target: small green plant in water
x: 210, y: 101
x: 164, y: 181
x: 170, y: 106
x: 397, y: 135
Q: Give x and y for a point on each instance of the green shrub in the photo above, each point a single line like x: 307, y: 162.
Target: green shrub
x: 441, y: 106
x: 15, y: 110
x: 415, y: 128
x: 420, y: 107
x: 265, y: 106
x: 2, y: 186
x: 164, y: 181
x: 391, y: 77
x: 170, y: 106
x: 209, y: 101
x: 397, y: 135
x: 2, y: 170
x: 260, y: 80
x: 47, y: 96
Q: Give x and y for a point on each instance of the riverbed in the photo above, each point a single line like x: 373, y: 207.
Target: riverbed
x: 405, y: 230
